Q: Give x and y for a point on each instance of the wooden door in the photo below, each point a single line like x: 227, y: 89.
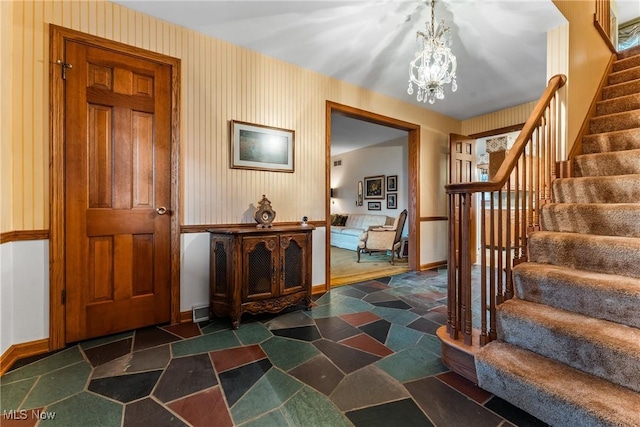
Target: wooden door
x: 117, y: 191
x: 293, y: 267
x: 462, y: 168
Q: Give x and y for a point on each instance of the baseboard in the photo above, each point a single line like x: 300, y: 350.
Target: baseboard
x: 433, y: 265
x: 186, y: 316
x: 20, y: 351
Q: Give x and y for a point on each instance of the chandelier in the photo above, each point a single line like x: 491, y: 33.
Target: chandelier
x: 434, y: 65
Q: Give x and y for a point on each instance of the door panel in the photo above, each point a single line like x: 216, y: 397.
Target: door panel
x: 117, y: 173
x: 462, y: 168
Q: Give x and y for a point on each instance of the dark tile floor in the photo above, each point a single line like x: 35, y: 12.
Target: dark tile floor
x: 365, y: 355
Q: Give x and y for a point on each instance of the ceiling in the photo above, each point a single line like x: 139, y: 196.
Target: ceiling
x: 500, y: 45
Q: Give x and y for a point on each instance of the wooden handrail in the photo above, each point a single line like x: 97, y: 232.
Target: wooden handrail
x: 509, y: 210
x: 507, y: 166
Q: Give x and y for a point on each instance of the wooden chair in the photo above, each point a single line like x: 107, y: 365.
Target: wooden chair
x: 383, y: 239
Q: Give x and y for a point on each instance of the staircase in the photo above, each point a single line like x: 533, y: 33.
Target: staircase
x: 568, y: 348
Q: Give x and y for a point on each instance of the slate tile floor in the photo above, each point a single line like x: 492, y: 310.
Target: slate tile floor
x: 365, y: 355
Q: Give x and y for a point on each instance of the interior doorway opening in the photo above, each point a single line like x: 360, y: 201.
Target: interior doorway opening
x: 347, y: 191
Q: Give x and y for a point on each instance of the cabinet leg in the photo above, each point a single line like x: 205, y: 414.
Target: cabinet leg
x: 307, y: 304
x: 235, y: 322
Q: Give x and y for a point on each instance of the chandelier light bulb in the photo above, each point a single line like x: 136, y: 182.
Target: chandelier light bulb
x: 433, y: 65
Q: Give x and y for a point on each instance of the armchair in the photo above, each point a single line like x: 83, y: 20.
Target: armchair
x: 383, y: 239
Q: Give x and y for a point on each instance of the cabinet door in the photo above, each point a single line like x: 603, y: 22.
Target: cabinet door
x: 260, y: 263
x: 221, y: 257
x: 293, y: 263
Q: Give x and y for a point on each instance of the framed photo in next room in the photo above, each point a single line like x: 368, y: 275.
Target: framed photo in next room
x: 374, y: 206
x: 392, y: 183
x: 260, y: 147
x: 392, y: 201
x: 374, y: 187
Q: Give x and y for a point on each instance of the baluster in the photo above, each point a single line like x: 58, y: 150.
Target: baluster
x: 451, y: 271
x: 483, y: 271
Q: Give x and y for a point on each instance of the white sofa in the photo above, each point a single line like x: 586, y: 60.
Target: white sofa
x: 348, y: 236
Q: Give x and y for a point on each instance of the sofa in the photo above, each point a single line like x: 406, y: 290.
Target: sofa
x: 346, y: 229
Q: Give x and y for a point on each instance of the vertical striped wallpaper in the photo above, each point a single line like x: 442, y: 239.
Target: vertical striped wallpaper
x: 498, y: 119
x: 220, y: 82
x: 6, y: 137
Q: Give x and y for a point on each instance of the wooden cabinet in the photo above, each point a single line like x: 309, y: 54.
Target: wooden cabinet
x: 258, y: 270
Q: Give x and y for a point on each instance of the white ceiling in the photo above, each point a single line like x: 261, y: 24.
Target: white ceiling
x: 500, y: 45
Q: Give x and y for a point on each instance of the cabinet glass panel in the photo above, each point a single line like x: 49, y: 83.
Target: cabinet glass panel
x: 293, y: 265
x: 220, y: 270
x: 259, y: 274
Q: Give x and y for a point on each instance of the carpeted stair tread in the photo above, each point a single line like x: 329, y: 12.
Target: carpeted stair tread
x: 603, y: 219
x: 631, y: 51
x: 624, y: 76
x: 628, y: 139
x: 621, y: 89
x: 598, y: 347
x: 553, y: 392
x: 615, y: 122
x: 618, y: 105
x: 599, y: 254
x: 626, y: 63
x: 599, y: 189
x: 608, y: 164
x: 605, y: 296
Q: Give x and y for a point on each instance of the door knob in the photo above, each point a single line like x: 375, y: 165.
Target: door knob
x: 161, y: 210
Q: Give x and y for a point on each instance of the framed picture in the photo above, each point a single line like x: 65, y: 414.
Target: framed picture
x: 374, y: 206
x: 392, y: 183
x: 392, y: 201
x: 260, y: 147
x: 374, y: 187
x: 359, y: 199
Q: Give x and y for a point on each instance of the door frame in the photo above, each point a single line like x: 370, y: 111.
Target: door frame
x: 57, y: 36
x: 413, y: 142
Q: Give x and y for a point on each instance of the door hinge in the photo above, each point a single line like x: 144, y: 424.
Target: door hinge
x: 64, y: 66
x: 63, y: 296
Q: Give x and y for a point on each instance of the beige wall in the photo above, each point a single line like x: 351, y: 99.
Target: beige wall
x: 498, y: 119
x: 588, y: 59
x: 220, y: 82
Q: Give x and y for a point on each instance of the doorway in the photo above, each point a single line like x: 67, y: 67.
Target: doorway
x: 114, y: 245
x: 412, y: 133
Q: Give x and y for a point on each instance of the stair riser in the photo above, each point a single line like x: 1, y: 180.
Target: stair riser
x: 601, y: 297
x: 591, y: 357
x: 582, y: 252
x: 618, y: 105
x: 622, y: 89
x: 625, y: 64
x: 615, y: 122
x: 597, y: 219
x: 608, y: 164
x: 623, y: 189
x: 606, y: 142
x: 553, y: 394
x: 624, y: 76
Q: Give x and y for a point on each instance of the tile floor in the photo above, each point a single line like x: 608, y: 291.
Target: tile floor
x: 365, y: 355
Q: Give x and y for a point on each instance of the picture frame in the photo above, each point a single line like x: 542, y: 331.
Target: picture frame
x: 392, y: 183
x: 374, y: 206
x: 360, y: 193
x: 259, y: 147
x: 374, y: 187
x: 392, y: 201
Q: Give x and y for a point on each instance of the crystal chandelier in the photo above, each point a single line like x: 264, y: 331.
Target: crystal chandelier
x: 434, y: 65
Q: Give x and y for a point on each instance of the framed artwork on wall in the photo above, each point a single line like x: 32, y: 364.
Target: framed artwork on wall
x: 374, y: 206
x: 392, y: 201
x: 392, y: 183
x: 260, y: 147
x: 374, y: 187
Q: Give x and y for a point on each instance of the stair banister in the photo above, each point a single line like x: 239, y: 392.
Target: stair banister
x: 524, y: 182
